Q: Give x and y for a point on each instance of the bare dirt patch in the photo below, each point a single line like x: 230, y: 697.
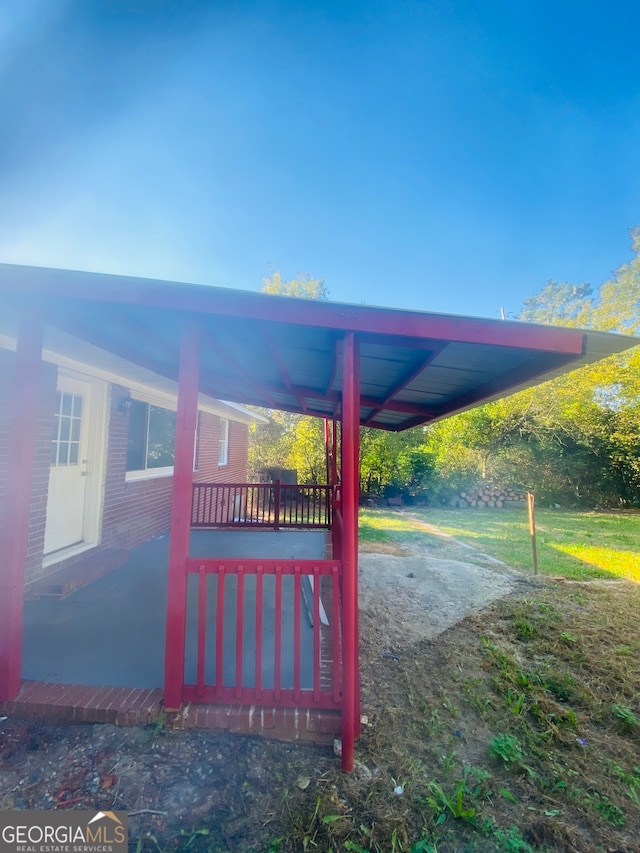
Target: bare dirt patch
x: 405, y: 599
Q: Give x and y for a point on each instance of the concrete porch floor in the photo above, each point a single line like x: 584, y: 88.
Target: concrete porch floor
x: 112, y: 632
x: 98, y: 654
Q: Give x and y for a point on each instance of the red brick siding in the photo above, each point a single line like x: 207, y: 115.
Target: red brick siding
x: 207, y: 468
x: 40, y: 483
x: 132, y: 512
x: 137, y: 511
x: 42, y: 465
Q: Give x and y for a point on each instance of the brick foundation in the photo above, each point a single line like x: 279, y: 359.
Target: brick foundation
x: 125, y: 706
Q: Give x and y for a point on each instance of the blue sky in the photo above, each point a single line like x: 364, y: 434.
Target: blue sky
x: 444, y: 156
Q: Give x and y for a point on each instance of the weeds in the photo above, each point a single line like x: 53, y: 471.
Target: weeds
x: 444, y: 804
x: 507, y: 749
x: 511, y: 841
x: 625, y: 716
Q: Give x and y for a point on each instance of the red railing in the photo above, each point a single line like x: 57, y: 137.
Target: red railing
x: 267, y: 632
x: 274, y: 505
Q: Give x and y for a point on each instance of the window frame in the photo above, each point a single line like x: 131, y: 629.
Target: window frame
x: 136, y: 474
x: 223, y: 443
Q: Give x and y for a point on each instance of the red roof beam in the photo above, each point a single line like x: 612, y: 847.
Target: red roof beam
x: 200, y: 299
x: 406, y: 380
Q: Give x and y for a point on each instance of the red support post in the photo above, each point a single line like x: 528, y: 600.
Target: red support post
x: 349, y: 458
x: 327, y: 450
x: 334, y: 452
x: 356, y: 451
x: 186, y: 420
x: 14, y: 534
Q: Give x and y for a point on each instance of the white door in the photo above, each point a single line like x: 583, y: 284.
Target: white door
x: 67, y: 499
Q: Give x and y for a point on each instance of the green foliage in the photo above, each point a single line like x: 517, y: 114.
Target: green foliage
x: 289, y: 441
x: 506, y: 748
x: 444, y: 803
x: 511, y: 841
x: 558, y: 304
x: 574, y: 441
x: 270, y: 443
x: 302, y: 287
x: 392, y: 463
x: 625, y: 716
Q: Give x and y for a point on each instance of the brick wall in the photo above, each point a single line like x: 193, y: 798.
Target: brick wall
x: 40, y: 483
x: 42, y: 465
x: 207, y: 468
x: 132, y: 512
x: 137, y: 511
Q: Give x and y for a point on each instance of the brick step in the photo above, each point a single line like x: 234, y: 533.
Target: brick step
x: 73, y: 703
x: 126, y: 706
x: 77, y: 572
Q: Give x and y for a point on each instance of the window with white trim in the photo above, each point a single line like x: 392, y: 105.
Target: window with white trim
x: 151, y: 438
x: 223, y: 455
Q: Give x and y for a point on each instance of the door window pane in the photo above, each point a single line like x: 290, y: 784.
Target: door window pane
x: 67, y: 427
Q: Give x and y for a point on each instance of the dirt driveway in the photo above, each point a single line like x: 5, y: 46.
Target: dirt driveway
x: 416, y: 590
x: 220, y: 792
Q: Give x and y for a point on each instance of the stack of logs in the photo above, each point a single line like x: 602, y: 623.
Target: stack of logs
x: 489, y: 496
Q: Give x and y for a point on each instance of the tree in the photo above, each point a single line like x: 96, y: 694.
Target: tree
x: 270, y: 443
x: 302, y: 287
x: 307, y: 454
x: 618, y: 307
x: 573, y: 440
x: 558, y: 304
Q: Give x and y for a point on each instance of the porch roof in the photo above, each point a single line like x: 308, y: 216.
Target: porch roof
x: 284, y: 353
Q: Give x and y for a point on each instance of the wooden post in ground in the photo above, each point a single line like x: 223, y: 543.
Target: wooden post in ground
x: 532, y: 529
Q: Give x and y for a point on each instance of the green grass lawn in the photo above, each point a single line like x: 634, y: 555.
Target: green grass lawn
x: 575, y: 545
